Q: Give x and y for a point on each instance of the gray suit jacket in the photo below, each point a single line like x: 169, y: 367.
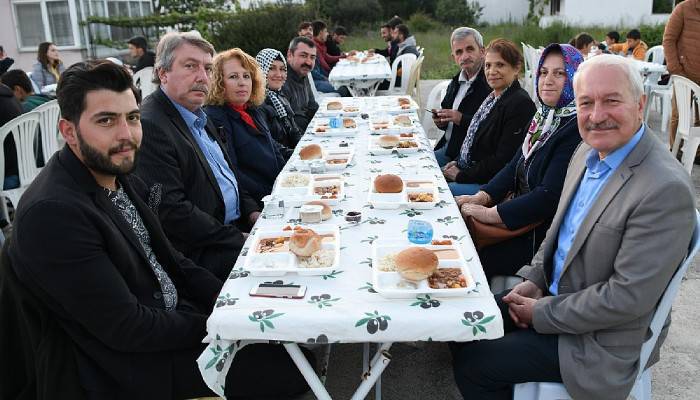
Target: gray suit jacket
x: 623, y: 256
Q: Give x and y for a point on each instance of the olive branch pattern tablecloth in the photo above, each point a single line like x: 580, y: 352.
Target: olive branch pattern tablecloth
x: 342, y: 306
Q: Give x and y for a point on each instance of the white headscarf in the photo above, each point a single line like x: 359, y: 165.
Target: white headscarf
x: 265, y: 58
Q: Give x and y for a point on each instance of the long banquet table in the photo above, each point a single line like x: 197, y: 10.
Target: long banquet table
x: 342, y: 306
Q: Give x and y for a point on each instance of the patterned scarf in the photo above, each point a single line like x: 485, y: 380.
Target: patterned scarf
x: 547, y: 119
x: 265, y: 58
x: 484, y: 109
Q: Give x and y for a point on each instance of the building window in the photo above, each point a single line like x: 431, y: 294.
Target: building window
x: 554, y: 7
x: 60, y: 23
x: 28, y: 18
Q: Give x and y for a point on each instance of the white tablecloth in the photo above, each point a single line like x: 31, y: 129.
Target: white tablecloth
x: 341, y: 306
x: 360, y: 78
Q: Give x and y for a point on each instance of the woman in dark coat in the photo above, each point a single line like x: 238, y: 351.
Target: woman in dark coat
x: 496, y: 129
x: 535, y: 175
x: 276, y: 108
x: 237, y: 89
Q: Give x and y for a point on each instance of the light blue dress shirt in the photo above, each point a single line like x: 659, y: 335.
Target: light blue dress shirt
x: 597, y: 174
x: 196, y: 122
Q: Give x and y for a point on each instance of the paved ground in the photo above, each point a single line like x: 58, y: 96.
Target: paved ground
x: 425, y: 372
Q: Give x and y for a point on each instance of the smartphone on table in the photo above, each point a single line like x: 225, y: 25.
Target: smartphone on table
x: 278, y: 291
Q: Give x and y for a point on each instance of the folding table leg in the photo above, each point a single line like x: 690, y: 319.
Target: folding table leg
x: 326, y: 354
x: 380, y: 360
x: 307, y: 371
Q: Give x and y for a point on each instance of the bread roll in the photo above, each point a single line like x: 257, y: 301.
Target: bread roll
x: 335, y: 105
x: 388, y: 141
x: 416, y: 263
x: 304, y: 242
x: 349, y: 123
x: 326, y: 213
x: 388, y: 183
x: 310, y: 152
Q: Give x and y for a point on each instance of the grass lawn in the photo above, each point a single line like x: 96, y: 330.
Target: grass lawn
x: 438, y: 62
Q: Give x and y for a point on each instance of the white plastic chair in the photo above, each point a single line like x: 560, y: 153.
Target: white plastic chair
x: 687, y: 94
x: 23, y: 129
x: 35, y: 87
x: 437, y: 93
x: 318, y: 95
x: 662, y: 94
x: 143, y: 79
x: 642, y: 385
x: 655, y: 55
x: 413, y: 89
x: 406, y: 61
x: 49, y: 114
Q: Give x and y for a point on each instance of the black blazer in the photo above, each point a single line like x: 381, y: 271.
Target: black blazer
x: 86, y: 283
x: 192, y: 208
x: 499, y: 135
x: 545, y: 172
x: 254, y: 154
x: 475, y: 95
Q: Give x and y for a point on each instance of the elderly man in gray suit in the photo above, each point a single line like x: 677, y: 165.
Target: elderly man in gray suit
x: 622, y: 227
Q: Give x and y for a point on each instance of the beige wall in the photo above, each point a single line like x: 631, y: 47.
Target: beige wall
x: 8, y: 40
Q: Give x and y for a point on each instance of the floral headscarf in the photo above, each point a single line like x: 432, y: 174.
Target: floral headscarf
x: 265, y: 58
x: 547, y: 119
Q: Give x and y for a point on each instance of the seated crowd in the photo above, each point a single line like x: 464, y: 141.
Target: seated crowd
x: 150, y: 202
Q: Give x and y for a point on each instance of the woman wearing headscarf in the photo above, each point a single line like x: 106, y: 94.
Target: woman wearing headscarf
x: 495, y: 131
x: 276, y: 109
x: 48, y: 67
x: 236, y: 90
x: 535, y: 175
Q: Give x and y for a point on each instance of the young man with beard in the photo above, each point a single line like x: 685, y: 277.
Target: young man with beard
x: 94, y: 300
x: 464, y: 95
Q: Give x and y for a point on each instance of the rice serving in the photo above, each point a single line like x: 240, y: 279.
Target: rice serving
x: 320, y: 259
x: 295, y: 180
x: 387, y: 263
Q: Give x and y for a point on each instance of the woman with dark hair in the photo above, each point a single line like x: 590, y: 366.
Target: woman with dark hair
x: 534, y: 177
x: 276, y: 109
x: 495, y: 131
x: 236, y: 91
x: 49, y: 67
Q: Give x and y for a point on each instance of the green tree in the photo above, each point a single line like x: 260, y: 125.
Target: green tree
x: 458, y: 12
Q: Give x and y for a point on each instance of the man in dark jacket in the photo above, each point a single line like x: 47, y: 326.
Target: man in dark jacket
x: 10, y: 108
x: 203, y: 209
x: 138, y: 50
x: 301, y: 57
x: 335, y: 40
x: 21, y: 86
x: 464, y: 95
x: 95, y: 302
x: 5, y: 62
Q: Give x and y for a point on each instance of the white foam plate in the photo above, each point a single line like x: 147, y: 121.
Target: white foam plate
x: 281, y: 263
x: 323, y: 122
x: 391, y: 201
x: 387, y: 284
x: 376, y: 150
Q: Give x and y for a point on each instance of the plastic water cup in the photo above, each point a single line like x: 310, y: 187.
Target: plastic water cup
x: 419, y: 232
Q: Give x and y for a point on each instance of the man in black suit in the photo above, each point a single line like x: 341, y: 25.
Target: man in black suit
x: 94, y: 301
x: 203, y: 209
x: 464, y: 95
